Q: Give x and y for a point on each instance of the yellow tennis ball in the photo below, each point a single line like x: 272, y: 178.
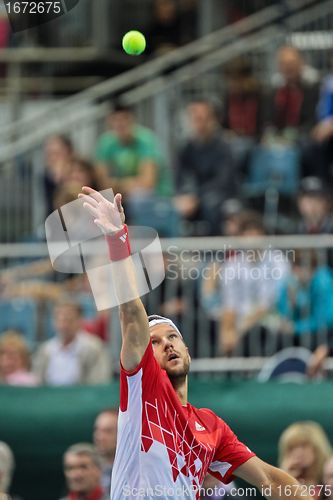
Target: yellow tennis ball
x: 134, y: 43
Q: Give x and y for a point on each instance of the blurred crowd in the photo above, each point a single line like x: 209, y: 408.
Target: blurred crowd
x: 237, y: 153
x: 255, y: 162
x: 303, y: 450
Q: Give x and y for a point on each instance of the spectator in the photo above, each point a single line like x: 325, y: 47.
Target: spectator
x: 303, y: 449
x: 82, y: 173
x: 328, y: 479
x: 205, y: 175
x: 306, y: 299
x: 325, y: 105
x: 211, y: 286
x: 73, y: 356
x: 105, y: 441
x: 165, y: 32
x: 321, y: 149
x: 130, y: 161
x: 15, y: 362
x: 4, y: 35
x: 189, y: 19
x: 4, y: 28
x: 314, y: 205
x: 242, y: 109
x: 294, y: 98
x: 233, y: 213
x: 58, y: 154
x: 83, y: 470
x: 251, y: 283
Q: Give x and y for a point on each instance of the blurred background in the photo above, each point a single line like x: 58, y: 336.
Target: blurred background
x: 220, y: 136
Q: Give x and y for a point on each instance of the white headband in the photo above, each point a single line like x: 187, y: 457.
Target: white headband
x: 154, y: 319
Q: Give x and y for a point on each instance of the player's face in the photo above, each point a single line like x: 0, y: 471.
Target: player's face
x: 82, y: 475
x: 170, y: 350
x: 105, y: 434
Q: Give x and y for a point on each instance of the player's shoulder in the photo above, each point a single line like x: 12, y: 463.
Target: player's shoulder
x: 209, y: 415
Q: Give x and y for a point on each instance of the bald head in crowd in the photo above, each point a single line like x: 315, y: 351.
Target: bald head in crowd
x: 290, y: 63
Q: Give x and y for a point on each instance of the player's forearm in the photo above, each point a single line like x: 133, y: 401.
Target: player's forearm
x: 133, y: 316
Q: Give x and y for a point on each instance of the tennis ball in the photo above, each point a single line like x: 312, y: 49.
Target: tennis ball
x: 134, y: 43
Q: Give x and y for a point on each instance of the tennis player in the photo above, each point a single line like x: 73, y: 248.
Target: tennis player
x: 165, y: 445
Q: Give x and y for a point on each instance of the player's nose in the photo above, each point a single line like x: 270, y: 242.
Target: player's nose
x: 167, y: 343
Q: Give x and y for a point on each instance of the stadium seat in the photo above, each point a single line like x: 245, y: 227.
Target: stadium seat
x: 273, y: 167
x: 20, y: 315
x: 158, y: 213
x: 288, y: 365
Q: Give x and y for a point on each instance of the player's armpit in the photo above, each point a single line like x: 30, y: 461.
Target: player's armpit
x: 273, y: 483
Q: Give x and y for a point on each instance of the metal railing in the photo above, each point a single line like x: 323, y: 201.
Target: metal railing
x: 158, y: 99
x: 180, y: 298
x: 164, y: 63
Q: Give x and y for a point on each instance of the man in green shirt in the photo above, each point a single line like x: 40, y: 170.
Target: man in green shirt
x: 130, y: 160
x: 129, y: 157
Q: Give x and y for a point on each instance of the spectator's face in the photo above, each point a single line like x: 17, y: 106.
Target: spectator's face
x: 252, y: 232
x: 10, y: 361
x: 328, y: 475
x: 202, y: 120
x: 122, y: 123
x: 82, y: 475
x: 231, y: 226
x: 302, y: 454
x: 167, y: 345
x: 67, y: 322
x: 290, y: 64
x: 165, y: 10
x: 56, y: 152
x: 105, y: 434
x: 79, y: 175
x: 312, y: 207
x: 303, y: 273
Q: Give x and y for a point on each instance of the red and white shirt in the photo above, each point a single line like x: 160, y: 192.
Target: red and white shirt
x: 164, y: 449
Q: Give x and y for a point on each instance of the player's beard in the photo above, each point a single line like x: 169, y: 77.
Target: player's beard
x: 178, y: 375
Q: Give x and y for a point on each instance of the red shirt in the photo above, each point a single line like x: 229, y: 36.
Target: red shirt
x: 164, y: 447
x: 97, y: 494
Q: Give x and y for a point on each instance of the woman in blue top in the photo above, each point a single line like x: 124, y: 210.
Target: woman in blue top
x: 306, y: 299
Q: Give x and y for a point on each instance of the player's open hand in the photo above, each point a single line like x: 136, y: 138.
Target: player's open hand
x: 108, y: 216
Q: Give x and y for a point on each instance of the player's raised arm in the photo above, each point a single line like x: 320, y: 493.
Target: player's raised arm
x: 110, y: 218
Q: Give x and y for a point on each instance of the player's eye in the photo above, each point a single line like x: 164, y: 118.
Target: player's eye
x: 172, y: 336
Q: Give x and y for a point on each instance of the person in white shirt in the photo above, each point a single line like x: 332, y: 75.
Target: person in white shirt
x: 73, y: 356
